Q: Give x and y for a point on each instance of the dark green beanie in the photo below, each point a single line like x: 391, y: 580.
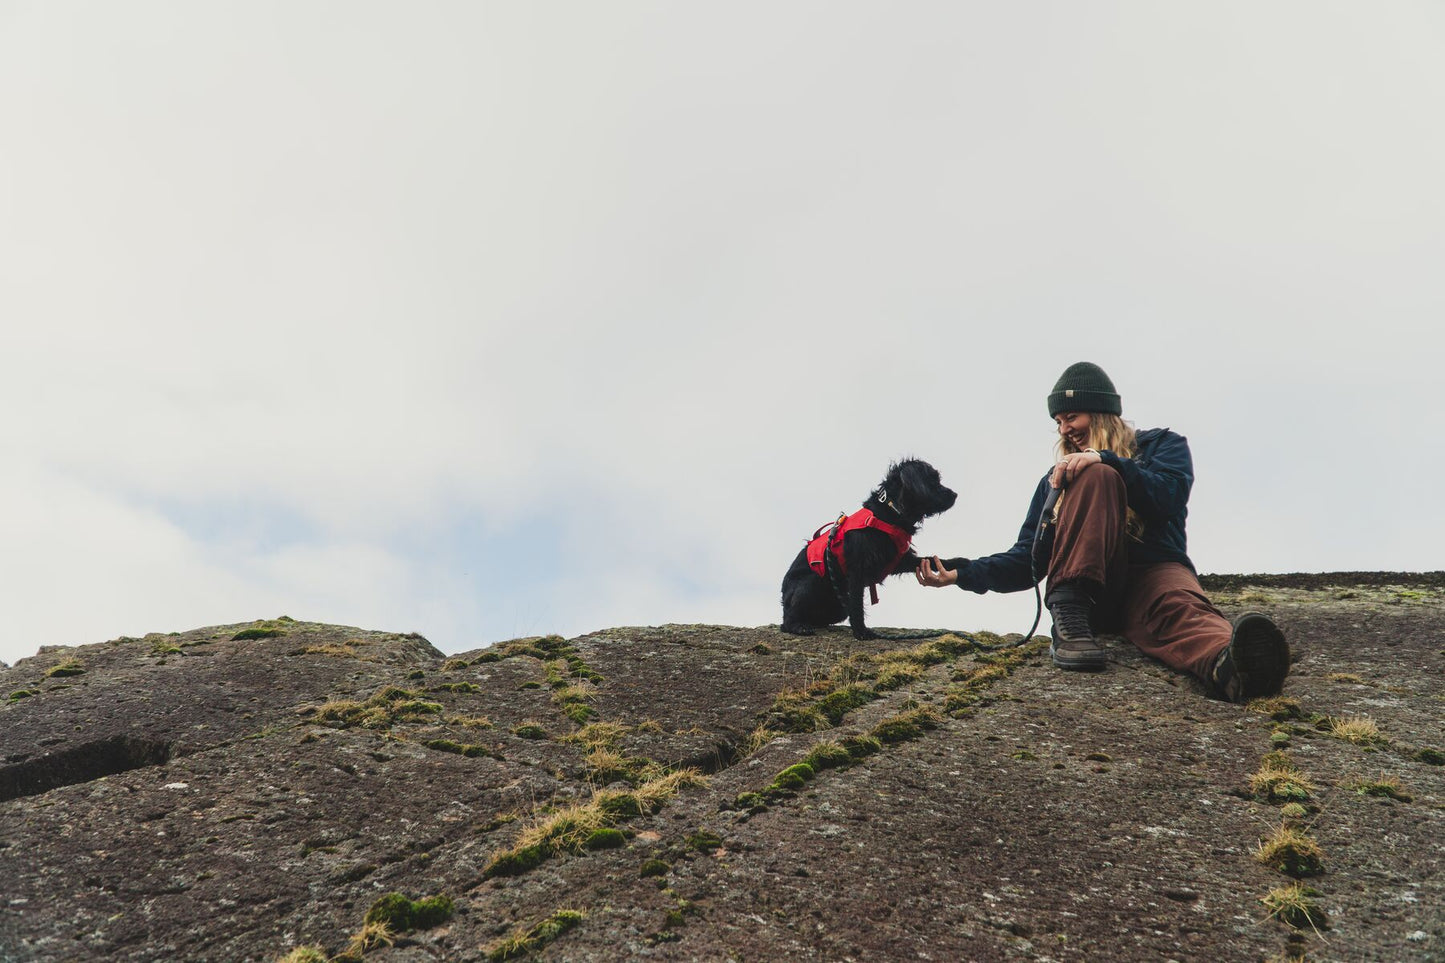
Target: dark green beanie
x: 1084, y: 387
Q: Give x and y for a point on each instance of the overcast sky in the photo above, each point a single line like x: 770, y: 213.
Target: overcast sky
x: 485, y: 320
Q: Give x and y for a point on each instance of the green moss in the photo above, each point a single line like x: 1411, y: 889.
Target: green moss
x: 704, y: 841
x: 762, y: 648
x: 654, y: 867
x: 750, y: 801
x: 456, y: 687
x: 801, y: 771
x: 906, y: 725
x: 67, y: 668
x: 794, y: 711
x: 1026, y: 755
x: 454, y: 665
x: 827, y: 755
x: 458, y: 748
x: 403, y: 915
x: 838, y: 703
x: 515, y: 862
x: 488, y: 656
x: 529, y: 730
x: 959, y: 703
x: 1429, y: 756
x: 1293, y: 810
x: 19, y: 694
x: 606, y: 838
x: 859, y: 747
x: 1281, y: 785
x: 1099, y: 757
x: 578, y: 669
x: 790, y: 781
x: 619, y: 804
x: 258, y: 630
x: 416, y: 674
x: 896, y: 676
x: 578, y: 712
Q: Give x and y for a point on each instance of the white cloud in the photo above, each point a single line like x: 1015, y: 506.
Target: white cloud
x: 644, y: 294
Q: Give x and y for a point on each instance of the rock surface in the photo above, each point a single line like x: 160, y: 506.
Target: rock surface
x: 235, y: 793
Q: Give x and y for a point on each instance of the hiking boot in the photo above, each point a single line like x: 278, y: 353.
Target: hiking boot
x: 1073, y: 645
x: 1254, y: 663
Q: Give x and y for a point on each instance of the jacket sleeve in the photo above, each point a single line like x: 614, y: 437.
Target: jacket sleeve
x: 1157, y: 480
x: 1008, y: 571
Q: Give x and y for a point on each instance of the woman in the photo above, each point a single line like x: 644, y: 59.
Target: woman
x: 1117, y: 559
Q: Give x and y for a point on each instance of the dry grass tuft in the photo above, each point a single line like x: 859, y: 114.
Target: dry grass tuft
x: 1388, y: 787
x: 369, y: 937
x: 569, y: 830
x: 1295, y: 905
x: 1291, y: 852
x: 526, y: 942
x: 758, y: 738
x: 1279, y: 781
x: 1357, y: 730
x: 315, y: 953
x: 1278, y: 708
x: 598, y: 735
x: 338, y: 652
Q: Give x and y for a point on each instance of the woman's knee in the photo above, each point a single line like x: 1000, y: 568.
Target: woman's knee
x: 1100, y: 479
x: 1183, y: 608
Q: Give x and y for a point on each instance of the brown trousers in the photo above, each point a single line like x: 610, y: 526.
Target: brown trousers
x: 1159, y: 607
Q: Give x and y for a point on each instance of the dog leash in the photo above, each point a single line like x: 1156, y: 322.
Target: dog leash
x: 1046, y: 522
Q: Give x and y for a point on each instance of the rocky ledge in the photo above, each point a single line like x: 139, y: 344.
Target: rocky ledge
x: 284, y: 790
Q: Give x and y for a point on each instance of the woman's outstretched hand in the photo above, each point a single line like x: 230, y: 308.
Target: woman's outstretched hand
x: 930, y: 571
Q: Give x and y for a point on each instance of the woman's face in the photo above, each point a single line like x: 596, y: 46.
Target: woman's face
x: 1074, y: 425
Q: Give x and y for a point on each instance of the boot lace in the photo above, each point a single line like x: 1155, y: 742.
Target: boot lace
x: 1072, y: 620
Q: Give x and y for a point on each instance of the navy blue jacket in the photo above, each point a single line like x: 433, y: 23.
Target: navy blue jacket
x: 1157, y: 482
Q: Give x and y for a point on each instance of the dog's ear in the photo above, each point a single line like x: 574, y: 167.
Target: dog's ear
x: 892, y: 485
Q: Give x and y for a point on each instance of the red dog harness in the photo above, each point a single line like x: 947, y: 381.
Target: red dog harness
x: 832, y: 541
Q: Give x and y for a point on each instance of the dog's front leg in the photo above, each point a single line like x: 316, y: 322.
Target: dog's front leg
x: 907, y: 564
x: 856, y: 587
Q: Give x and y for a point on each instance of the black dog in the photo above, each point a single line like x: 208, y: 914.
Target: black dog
x: 865, y: 554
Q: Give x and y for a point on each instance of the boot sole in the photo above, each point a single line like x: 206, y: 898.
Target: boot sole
x: 1261, y: 656
x: 1090, y: 663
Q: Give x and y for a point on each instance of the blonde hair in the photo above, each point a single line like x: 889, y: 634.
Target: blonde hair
x: 1107, y: 433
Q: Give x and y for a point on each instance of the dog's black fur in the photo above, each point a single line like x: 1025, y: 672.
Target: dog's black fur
x: 912, y: 492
